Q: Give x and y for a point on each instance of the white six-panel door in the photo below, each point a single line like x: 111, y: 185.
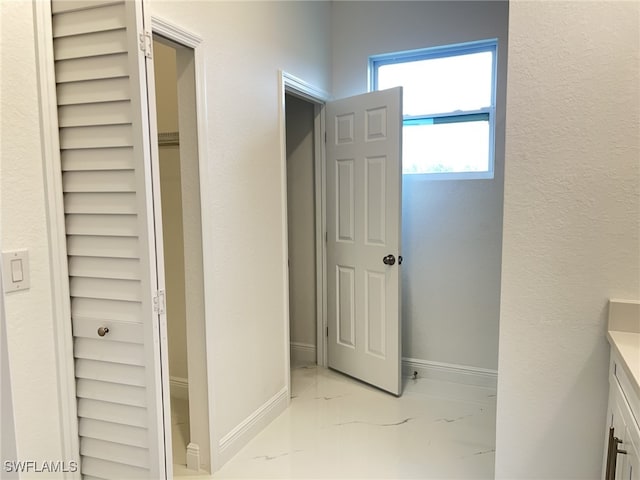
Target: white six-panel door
x: 105, y: 146
x: 364, y: 138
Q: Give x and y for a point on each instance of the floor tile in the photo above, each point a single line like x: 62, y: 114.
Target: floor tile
x: 339, y: 428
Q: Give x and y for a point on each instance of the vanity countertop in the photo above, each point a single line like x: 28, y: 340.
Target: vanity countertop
x: 624, y: 336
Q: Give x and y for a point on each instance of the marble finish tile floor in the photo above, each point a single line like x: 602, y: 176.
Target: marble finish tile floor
x: 339, y: 428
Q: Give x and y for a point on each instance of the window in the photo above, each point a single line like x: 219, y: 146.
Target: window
x: 448, y: 107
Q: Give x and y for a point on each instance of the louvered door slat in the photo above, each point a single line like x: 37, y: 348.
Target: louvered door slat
x: 89, y: 20
x: 105, y: 469
x: 104, y: 224
x: 100, y: 203
x: 92, y: 68
x: 99, y: 181
x: 90, y: 159
x: 106, y: 90
x: 114, y: 452
x: 115, y: 268
x: 125, y: 312
x: 109, y: 351
x: 111, y: 392
x: 110, y: 372
x: 113, y: 432
x: 112, y: 412
x: 102, y: 43
x: 97, y: 136
x: 85, y: 114
x: 62, y: 6
x: 106, y: 288
x: 105, y: 140
x: 94, y: 246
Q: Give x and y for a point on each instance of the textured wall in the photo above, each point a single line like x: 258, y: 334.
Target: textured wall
x: 7, y: 424
x: 30, y: 330
x: 451, y: 230
x: 571, y: 229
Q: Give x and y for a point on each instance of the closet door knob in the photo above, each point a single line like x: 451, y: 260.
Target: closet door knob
x: 102, y: 331
x: 389, y: 260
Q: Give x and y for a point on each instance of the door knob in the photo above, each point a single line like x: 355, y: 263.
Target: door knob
x: 102, y: 331
x: 389, y: 260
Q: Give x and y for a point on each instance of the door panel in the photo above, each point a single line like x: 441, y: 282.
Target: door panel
x: 345, y: 211
x: 364, y: 136
x: 375, y: 314
x: 346, y: 306
x: 105, y: 142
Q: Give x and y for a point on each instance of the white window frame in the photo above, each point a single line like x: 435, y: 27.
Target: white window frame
x: 489, y: 45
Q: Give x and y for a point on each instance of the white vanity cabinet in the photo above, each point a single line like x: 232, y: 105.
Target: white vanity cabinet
x: 622, y: 442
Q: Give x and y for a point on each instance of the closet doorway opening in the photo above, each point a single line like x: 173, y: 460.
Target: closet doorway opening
x: 301, y: 217
x: 303, y: 128
x: 178, y: 163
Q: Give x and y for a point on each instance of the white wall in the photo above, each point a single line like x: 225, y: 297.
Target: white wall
x: 7, y: 424
x: 571, y: 229
x: 29, y: 325
x: 301, y: 217
x: 246, y: 44
x: 452, y: 230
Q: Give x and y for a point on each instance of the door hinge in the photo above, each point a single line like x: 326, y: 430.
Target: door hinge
x: 327, y: 332
x: 159, y: 302
x: 146, y: 44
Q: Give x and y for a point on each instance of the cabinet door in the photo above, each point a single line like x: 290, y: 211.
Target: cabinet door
x: 620, y: 431
x: 632, y: 460
x: 626, y: 429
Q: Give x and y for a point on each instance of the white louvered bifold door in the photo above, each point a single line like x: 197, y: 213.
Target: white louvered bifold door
x: 105, y: 151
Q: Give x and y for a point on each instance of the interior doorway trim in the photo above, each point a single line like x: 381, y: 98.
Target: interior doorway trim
x: 290, y: 84
x: 185, y: 38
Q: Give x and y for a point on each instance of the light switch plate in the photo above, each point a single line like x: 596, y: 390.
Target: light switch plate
x: 15, y: 271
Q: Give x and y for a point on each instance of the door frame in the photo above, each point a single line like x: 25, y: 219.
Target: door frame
x: 196, y: 352
x: 56, y: 231
x: 292, y: 85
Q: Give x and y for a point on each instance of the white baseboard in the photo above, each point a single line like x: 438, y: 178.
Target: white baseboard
x: 464, y: 374
x: 179, y: 387
x: 303, y: 353
x: 193, y: 457
x: 237, y: 438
